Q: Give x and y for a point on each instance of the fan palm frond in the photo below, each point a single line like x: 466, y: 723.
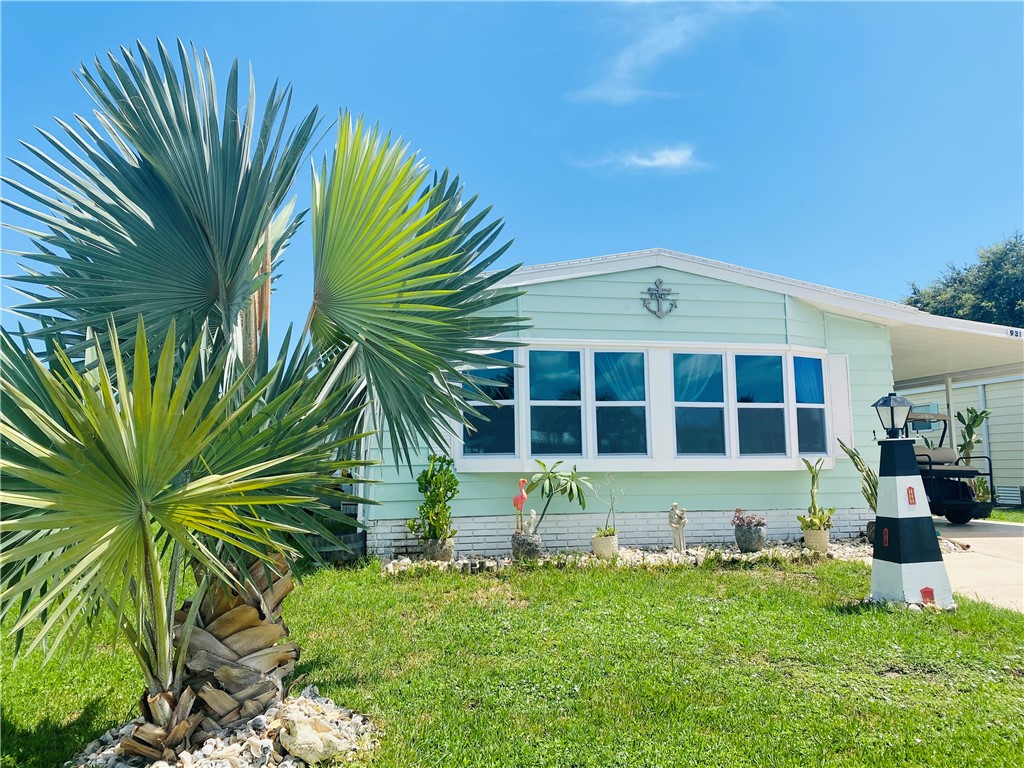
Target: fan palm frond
x: 400, y: 275
x: 159, y: 204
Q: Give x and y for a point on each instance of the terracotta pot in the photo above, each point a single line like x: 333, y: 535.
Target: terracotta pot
x: 605, y: 547
x: 817, y: 541
x: 527, y: 546
x: 751, y: 538
x: 439, y: 549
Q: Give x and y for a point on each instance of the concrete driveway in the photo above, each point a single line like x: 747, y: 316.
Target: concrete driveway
x: 993, y: 568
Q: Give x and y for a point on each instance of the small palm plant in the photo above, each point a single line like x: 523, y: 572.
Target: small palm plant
x: 100, y: 484
x: 553, y: 481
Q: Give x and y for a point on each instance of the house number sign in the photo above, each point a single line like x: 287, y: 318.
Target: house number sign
x: 657, y: 300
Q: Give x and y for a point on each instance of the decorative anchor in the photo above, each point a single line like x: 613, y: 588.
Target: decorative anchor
x: 659, y: 297
x: 677, y: 522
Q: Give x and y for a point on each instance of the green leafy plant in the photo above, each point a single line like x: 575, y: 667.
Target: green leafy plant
x: 817, y: 518
x: 981, y: 490
x: 609, y: 520
x: 555, y: 482
x: 972, y: 420
x: 868, y: 476
x: 439, y: 485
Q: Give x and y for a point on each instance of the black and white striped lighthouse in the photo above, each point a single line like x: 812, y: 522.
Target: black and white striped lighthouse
x: 907, y: 563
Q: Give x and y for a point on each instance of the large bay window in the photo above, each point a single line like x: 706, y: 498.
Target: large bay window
x: 652, y: 408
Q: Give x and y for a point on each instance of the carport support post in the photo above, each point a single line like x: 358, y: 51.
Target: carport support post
x: 949, y: 410
x: 907, y: 563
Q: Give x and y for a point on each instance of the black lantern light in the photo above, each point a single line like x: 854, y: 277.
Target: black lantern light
x: 893, y: 411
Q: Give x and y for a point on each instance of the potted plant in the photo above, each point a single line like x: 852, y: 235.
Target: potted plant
x: 751, y: 532
x: 817, y: 522
x: 606, y: 541
x: 439, y: 485
x: 526, y: 541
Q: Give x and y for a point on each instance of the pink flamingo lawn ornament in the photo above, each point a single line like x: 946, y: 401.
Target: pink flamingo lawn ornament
x: 518, y: 501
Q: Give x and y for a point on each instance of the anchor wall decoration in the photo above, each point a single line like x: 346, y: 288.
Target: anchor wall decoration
x: 658, y: 302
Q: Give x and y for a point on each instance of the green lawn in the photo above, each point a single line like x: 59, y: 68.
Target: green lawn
x: 613, y: 668
x: 1008, y: 515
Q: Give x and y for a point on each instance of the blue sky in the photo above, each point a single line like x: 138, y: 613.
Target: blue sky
x: 860, y: 146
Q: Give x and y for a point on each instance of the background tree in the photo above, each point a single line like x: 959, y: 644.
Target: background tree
x: 991, y: 291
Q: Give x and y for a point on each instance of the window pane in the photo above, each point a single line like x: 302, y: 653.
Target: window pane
x: 762, y: 430
x: 809, y: 386
x: 622, y: 430
x: 555, y: 429
x: 500, y: 381
x: 698, y: 378
x: 554, y: 375
x: 758, y: 378
x: 810, y: 429
x: 491, y: 437
x: 619, y: 376
x: 700, y: 430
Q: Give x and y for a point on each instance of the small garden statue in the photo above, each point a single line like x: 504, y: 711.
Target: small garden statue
x: 677, y: 522
x: 518, y: 501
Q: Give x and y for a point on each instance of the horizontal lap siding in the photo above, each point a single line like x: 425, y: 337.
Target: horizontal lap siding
x: 609, y: 308
x: 1006, y: 429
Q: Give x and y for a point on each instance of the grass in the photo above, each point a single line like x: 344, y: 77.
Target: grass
x: 1008, y: 515
x: 613, y: 668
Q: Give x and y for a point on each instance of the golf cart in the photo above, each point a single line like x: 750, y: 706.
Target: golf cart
x: 948, y: 480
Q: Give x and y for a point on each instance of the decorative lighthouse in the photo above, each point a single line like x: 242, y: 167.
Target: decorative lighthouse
x: 907, y: 564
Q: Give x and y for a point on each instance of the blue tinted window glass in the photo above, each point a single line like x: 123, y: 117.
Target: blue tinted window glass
x: 759, y: 379
x: 762, y: 430
x: 810, y: 428
x: 698, y: 378
x: 498, y: 382
x: 622, y: 429
x: 810, y: 387
x: 497, y: 436
x: 618, y: 376
x: 700, y: 431
x: 555, y: 430
x: 554, y: 375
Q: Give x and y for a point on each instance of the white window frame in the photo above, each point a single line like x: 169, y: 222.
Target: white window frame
x: 660, y: 405
x: 581, y: 403
x: 516, y: 406
x: 822, y: 406
x: 594, y: 405
x: 728, y: 438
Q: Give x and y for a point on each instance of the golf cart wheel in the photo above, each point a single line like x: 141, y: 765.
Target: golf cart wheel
x: 959, y: 518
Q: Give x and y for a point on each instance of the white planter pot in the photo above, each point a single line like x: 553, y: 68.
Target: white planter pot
x: 817, y: 541
x: 605, y: 547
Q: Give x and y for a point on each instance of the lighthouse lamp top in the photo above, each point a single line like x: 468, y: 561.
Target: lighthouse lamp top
x: 893, y: 411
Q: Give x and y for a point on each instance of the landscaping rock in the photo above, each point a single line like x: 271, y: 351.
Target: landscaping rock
x: 303, y: 731
x: 858, y: 548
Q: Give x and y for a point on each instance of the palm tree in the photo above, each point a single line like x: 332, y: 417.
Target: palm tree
x: 169, y: 208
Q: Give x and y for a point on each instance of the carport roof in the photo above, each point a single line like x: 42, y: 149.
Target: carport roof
x: 925, y: 348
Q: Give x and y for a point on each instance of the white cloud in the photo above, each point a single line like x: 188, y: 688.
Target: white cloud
x: 678, y: 157
x: 659, y: 36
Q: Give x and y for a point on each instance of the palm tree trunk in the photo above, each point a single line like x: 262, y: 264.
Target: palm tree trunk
x: 237, y: 658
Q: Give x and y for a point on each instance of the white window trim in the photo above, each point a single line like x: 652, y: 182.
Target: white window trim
x: 660, y: 405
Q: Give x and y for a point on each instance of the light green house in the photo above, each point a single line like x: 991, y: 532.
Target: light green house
x: 673, y: 378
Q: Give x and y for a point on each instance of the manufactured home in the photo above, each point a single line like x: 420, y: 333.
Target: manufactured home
x: 673, y: 378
